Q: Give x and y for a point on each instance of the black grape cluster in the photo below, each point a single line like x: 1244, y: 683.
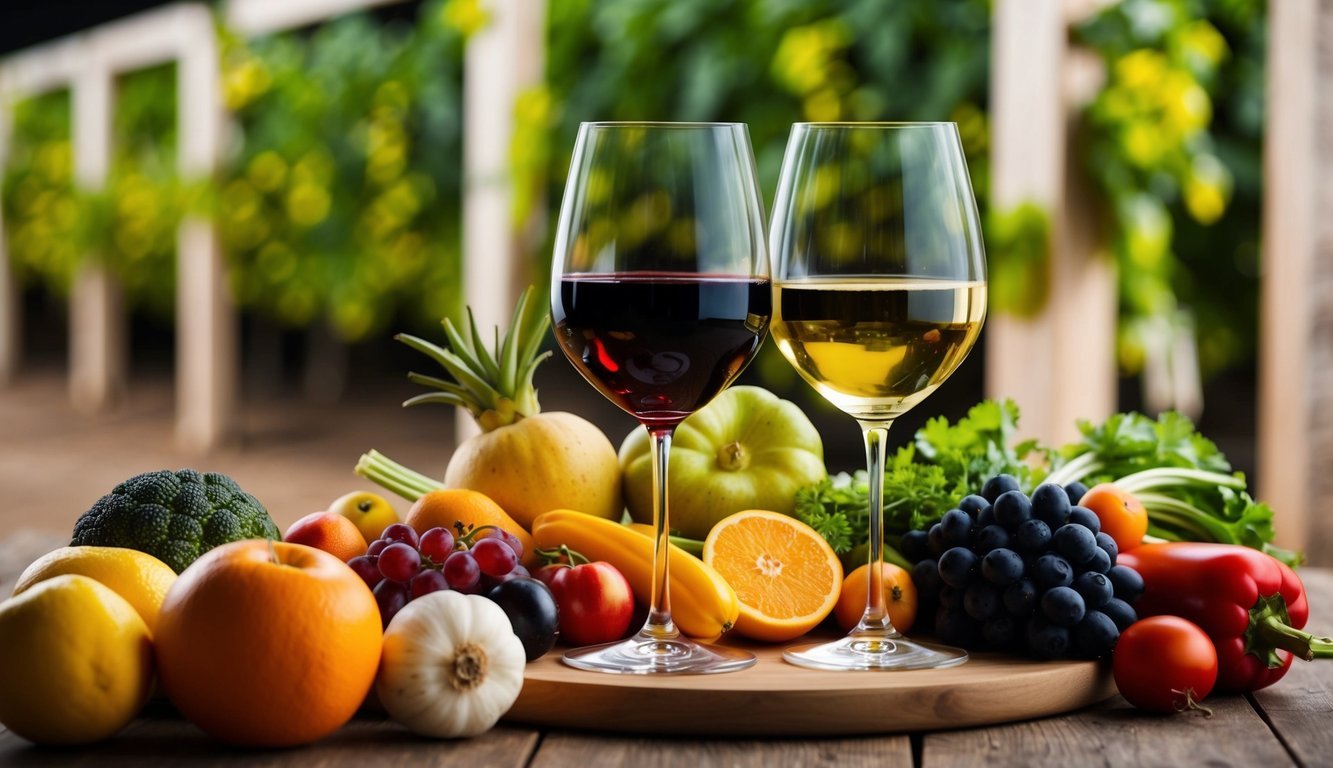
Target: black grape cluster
x: 1035, y: 575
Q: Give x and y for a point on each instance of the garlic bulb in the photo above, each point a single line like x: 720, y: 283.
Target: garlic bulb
x: 451, y: 665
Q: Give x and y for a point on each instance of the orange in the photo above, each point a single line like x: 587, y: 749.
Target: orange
x: 442, y: 509
x: 899, y: 597
x: 1121, y: 514
x: 268, y: 644
x: 330, y: 532
x: 785, y: 575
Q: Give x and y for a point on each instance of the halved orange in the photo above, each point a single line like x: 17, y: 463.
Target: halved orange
x: 786, y: 577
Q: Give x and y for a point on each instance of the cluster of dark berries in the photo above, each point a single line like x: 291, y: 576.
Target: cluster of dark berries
x: 1035, y: 575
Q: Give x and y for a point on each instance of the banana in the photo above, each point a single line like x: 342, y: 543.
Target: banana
x: 703, y: 605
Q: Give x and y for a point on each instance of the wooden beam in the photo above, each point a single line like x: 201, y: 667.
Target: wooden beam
x: 1036, y: 87
x: 45, y: 67
x: 1296, y: 166
x: 207, y: 358
x: 97, y: 352
x: 502, y: 60
x: 262, y: 17
x: 146, y: 39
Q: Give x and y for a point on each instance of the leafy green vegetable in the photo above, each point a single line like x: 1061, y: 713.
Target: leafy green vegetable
x: 1181, y: 477
x: 1183, y: 480
x: 1130, y: 442
x: 922, y: 480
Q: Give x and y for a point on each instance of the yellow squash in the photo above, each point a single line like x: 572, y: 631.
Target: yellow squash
x: 703, y: 605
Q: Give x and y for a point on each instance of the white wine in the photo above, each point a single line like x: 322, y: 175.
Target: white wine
x: 875, y: 347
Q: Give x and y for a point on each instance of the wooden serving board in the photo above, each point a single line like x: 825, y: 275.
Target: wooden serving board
x: 779, y: 699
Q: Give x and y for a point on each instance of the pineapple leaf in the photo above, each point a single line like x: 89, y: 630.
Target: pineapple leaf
x: 492, y: 372
x: 439, y: 398
x: 459, y: 346
x: 494, y: 383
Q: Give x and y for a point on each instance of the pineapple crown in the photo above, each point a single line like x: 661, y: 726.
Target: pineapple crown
x: 494, y: 385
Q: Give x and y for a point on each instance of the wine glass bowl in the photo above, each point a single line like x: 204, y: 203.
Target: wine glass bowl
x: 879, y: 294
x: 660, y: 297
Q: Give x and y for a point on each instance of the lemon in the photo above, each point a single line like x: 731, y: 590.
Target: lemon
x: 371, y: 512
x: 140, y: 578
x: 76, y: 662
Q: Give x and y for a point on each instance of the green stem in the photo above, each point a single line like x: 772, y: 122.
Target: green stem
x: 693, y: 546
x: 1271, y: 629
x: 1167, y: 477
x: 394, y: 477
x: 1078, y: 468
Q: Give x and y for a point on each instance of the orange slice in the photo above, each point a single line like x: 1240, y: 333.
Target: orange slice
x: 786, y: 577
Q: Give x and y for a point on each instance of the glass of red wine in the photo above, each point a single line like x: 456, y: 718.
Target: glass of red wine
x: 660, y: 297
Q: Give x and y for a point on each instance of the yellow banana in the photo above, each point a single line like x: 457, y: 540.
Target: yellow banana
x: 703, y: 605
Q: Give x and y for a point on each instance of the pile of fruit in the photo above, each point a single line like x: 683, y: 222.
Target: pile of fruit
x: 179, y: 577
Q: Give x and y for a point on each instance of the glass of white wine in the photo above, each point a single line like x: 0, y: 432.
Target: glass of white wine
x: 879, y: 282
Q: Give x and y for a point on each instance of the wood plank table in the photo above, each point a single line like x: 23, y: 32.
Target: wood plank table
x: 1290, y: 723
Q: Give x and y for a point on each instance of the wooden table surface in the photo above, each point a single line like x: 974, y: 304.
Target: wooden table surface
x: 1290, y: 723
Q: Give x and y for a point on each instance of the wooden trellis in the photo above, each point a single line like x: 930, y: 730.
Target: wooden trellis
x: 502, y: 59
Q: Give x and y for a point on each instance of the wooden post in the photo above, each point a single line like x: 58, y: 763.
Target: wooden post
x: 39, y: 69
x: 502, y: 59
x: 1037, y: 85
x: 1295, y: 425
x: 97, y: 352
x: 206, y: 344
x: 10, y: 298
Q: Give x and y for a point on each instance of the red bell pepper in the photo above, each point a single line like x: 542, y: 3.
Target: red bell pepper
x: 1251, y: 605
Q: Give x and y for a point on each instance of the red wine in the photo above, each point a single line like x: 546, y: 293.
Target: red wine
x: 660, y: 345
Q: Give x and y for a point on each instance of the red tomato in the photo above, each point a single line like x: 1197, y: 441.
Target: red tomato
x: 1164, y: 664
x: 547, y: 574
x: 594, y: 599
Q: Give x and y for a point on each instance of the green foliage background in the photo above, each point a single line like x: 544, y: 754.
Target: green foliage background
x: 340, y: 201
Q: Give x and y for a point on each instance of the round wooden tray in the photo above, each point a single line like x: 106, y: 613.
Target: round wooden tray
x: 777, y: 698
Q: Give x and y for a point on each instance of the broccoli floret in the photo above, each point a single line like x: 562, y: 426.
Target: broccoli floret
x: 174, y: 516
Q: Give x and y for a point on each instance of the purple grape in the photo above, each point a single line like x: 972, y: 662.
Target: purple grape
x: 400, y: 532
x: 390, y: 596
x: 513, y: 542
x: 461, y: 571
x: 436, y: 544
x: 429, y: 580
x: 494, y: 557
x: 399, y: 562
x: 377, y: 546
x: 367, y: 569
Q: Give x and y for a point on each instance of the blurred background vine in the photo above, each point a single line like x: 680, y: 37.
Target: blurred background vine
x: 339, y: 204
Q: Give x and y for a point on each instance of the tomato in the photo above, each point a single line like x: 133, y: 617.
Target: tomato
x: 899, y: 597
x: 1122, y: 515
x: 595, y: 601
x: 1164, y: 664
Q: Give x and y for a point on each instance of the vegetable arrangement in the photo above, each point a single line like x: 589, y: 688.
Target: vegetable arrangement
x: 1184, y: 483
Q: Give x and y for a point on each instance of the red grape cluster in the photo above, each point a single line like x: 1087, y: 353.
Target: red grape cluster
x: 400, y: 566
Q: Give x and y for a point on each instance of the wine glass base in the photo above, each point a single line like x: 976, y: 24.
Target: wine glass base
x: 874, y: 651
x: 642, y: 655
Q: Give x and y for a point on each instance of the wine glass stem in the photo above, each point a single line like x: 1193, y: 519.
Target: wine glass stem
x: 876, y: 617
x: 659, y: 624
